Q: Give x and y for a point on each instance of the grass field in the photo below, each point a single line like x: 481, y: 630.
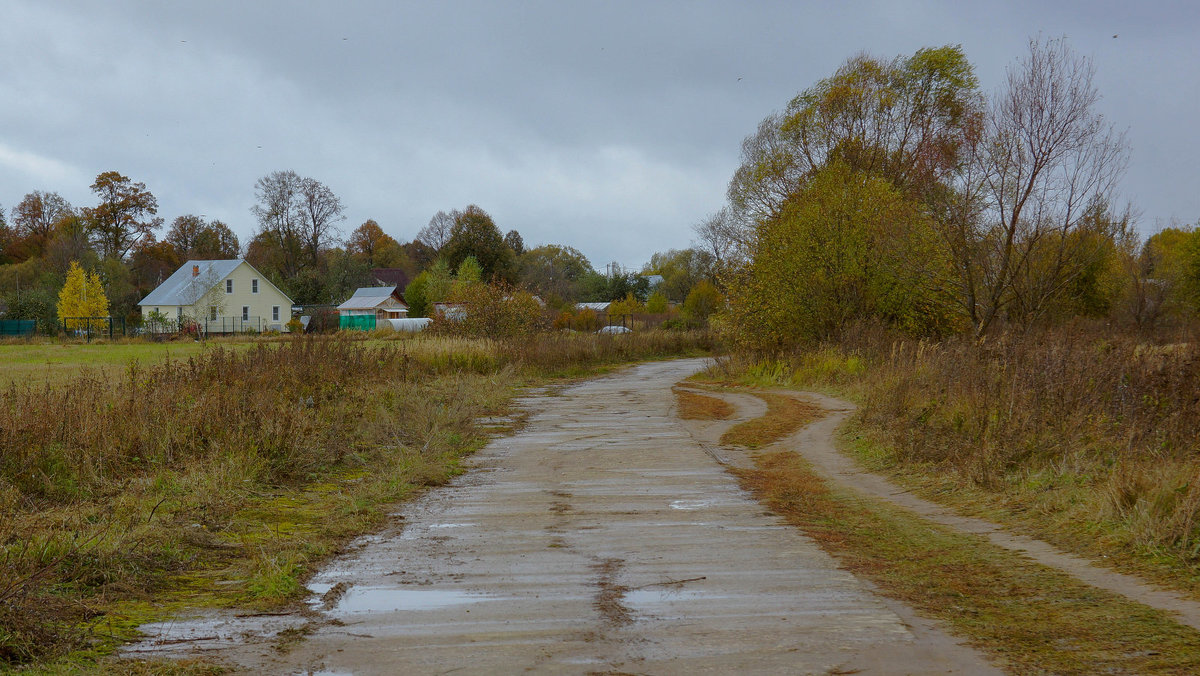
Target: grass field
x: 132, y: 486
x: 1083, y: 436
x: 38, y: 363
x: 1030, y: 618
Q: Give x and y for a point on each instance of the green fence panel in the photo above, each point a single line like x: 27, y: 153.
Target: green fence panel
x: 356, y: 322
x: 17, y: 327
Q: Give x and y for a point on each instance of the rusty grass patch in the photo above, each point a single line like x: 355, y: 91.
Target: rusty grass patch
x: 696, y: 406
x: 1028, y: 617
x: 784, y: 416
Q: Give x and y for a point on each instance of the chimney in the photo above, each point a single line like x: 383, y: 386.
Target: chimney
x: 195, y: 270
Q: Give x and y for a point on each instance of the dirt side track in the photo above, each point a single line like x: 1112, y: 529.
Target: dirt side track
x: 601, y: 538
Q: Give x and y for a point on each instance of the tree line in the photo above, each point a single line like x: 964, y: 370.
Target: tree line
x: 299, y: 245
x: 895, y: 191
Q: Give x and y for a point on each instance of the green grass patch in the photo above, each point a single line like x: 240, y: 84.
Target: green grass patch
x: 56, y: 362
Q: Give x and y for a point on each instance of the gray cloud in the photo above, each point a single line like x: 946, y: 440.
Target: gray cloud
x: 612, y: 127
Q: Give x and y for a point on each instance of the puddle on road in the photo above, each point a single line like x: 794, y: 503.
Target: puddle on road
x: 358, y: 600
x: 690, y: 504
x: 651, y: 597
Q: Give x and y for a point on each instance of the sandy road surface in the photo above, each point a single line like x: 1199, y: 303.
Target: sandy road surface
x: 602, y: 538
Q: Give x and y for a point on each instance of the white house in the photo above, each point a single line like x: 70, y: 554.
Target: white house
x: 223, y: 296
x: 382, y: 301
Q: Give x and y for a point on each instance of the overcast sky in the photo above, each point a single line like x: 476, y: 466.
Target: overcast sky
x: 612, y: 127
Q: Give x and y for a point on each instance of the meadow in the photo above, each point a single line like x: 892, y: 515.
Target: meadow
x: 1080, y: 434
x: 154, y: 477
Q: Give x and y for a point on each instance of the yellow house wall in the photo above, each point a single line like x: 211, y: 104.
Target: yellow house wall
x: 230, y: 304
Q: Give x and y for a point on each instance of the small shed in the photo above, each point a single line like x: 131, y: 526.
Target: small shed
x: 370, y: 305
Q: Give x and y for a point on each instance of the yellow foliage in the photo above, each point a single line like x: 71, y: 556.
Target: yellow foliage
x: 81, y: 296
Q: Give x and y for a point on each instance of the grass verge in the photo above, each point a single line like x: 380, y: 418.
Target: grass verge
x: 1083, y: 436
x: 785, y: 415
x: 696, y: 406
x: 1030, y: 618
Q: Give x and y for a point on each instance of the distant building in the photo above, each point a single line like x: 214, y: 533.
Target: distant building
x: 375, y: 302
x: 220, y: 296
x: 594, y: 307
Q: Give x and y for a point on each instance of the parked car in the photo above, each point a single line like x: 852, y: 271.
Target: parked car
x: 614, y: 330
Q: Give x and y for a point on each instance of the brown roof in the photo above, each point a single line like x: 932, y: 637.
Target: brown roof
x: 396, y: 277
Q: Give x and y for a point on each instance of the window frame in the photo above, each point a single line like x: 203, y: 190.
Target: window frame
x: 253, y: 286
x: 228, y: 286
x: 245, y: 313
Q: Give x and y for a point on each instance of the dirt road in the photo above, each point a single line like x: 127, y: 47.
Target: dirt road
x: 602, y: 538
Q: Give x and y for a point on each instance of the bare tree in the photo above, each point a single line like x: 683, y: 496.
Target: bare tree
x: 1046, y: 164
x: 320, y: 210
x: 437, y: 232
x: 298, y: 217
x: 723, y: 236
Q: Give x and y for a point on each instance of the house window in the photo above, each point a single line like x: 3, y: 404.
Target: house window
x: 245, y: 313
x: 179, y: 312
x: 229, y: 286
x: 254, y: 286
x: 212, y: 313
x: 274, y: 313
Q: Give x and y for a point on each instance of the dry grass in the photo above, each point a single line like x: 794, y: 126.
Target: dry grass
x: 1030, y: 618
x: 1081, y: 435
x: 785, y: 415
x: 157, y: 481
x: 695, y: 406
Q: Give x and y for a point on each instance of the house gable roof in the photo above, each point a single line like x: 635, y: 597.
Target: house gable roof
x: 370, y: 297
x: 181, y: 288
x: 184, y: 288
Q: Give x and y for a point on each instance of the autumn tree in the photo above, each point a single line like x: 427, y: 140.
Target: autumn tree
x: 377, y: 249
x: 553, y: 271
x: 195, y: 238
x: 904, y: 119
x: 702, y: 301
x: 475, y: 234
x: 81, y: 296
x: 123, y: 217
x: 152, y: 262
x: 849, y: 247
x: 681, y: 269
x: 34, y: 217
x: 69, y: 242
x: 514, y: 241
x: 6, y: 238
